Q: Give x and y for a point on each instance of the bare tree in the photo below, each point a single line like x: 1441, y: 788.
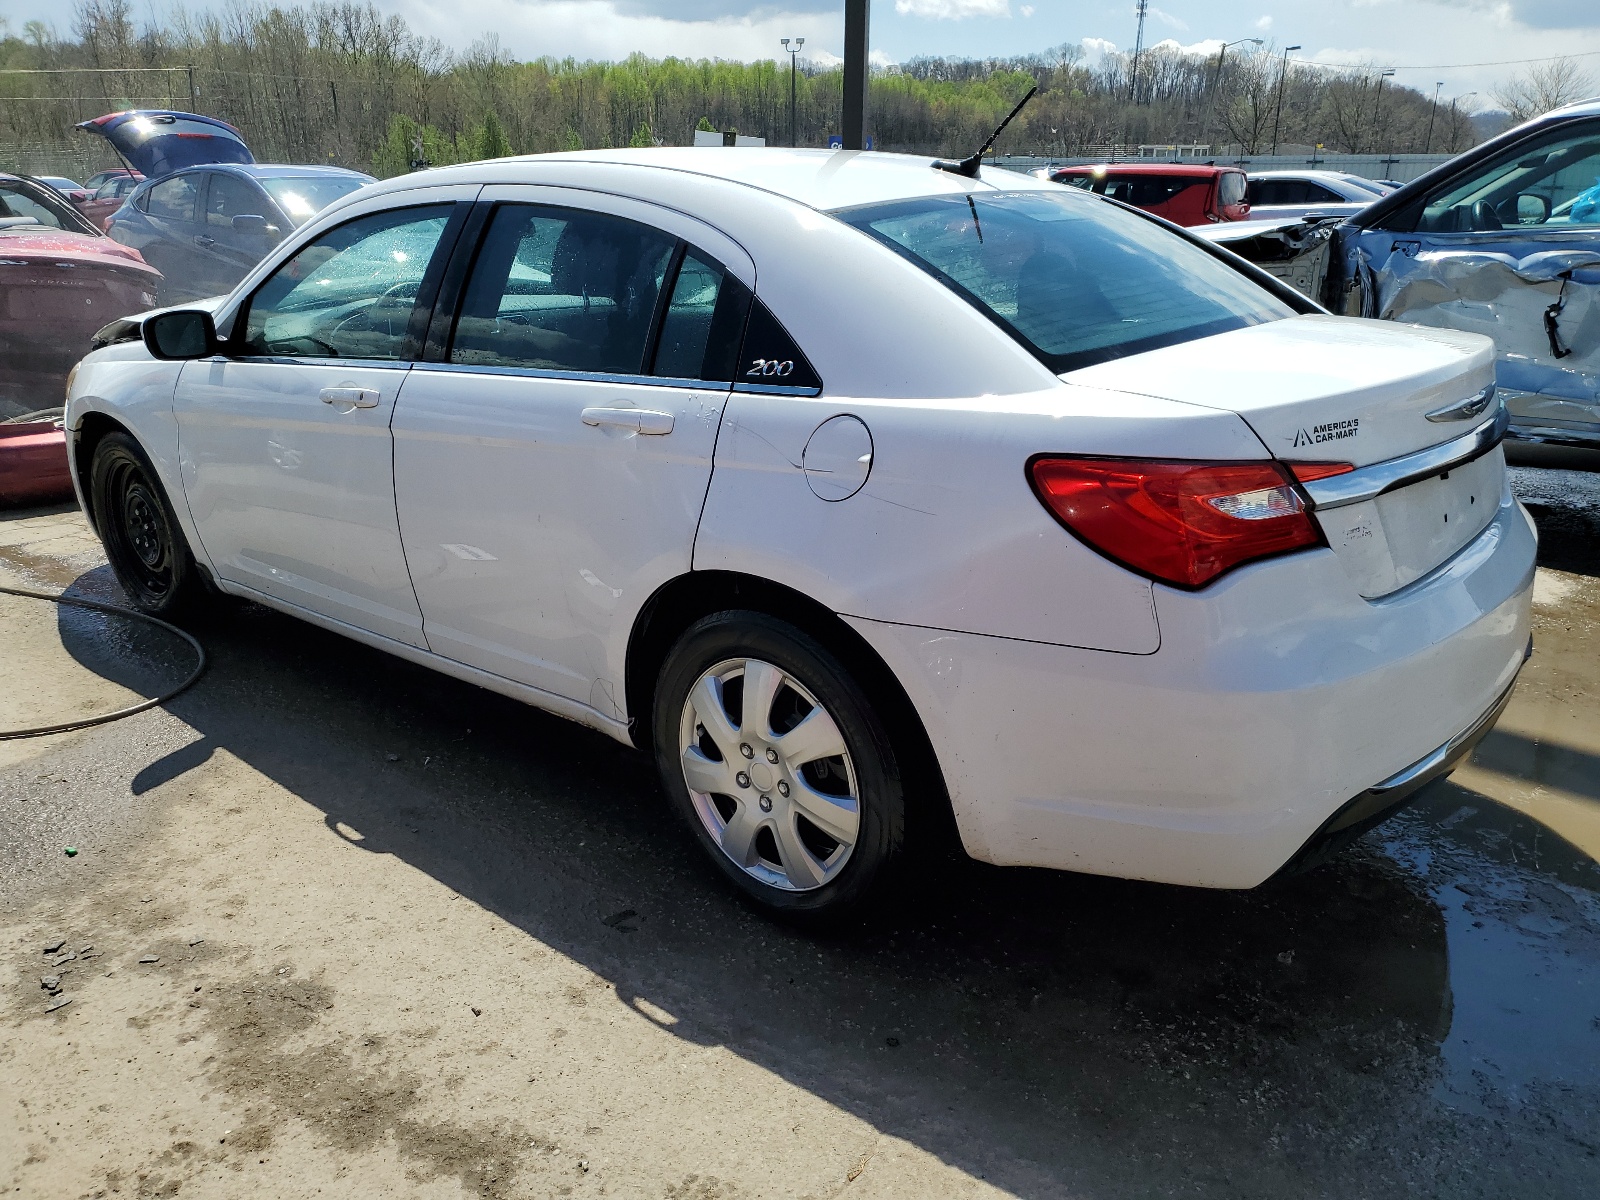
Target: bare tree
x: 1542, y: 87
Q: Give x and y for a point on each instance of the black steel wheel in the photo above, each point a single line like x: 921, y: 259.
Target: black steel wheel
x: 142, y: 538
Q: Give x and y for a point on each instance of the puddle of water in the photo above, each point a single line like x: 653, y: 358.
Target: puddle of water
x: 1521, y: 912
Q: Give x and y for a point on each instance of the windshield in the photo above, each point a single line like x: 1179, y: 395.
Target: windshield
x: 1074, y: 279
x: 305, y: 196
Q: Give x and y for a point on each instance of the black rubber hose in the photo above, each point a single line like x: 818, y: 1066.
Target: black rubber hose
x: 8, y: 735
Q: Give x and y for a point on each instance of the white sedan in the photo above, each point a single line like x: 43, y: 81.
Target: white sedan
x: 857, y: 493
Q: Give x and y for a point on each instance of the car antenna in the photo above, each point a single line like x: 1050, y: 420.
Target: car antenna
x: 969, y: 166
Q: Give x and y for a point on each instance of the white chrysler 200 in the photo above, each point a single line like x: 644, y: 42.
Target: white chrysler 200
x: 853, y: 490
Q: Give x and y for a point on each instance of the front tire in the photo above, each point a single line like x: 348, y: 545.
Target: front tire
x: 140, y: 532
x: 776, y: 757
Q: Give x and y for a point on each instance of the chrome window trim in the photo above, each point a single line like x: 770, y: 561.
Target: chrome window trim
x: 295, y: 360
x: 776, y: 389
x: 1370, y: 482
x: 576, y: 376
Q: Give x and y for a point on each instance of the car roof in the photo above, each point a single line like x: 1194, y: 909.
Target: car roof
x: 1341, y: 176
x: 1199, y: 170
x: 279, y: 170
x: 822, y: 179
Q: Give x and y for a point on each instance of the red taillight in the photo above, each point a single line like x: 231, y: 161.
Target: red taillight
x: 1183, y: 523
x: 1307, y: 471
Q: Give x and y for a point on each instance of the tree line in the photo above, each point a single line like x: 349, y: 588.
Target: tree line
x: 341, y: 82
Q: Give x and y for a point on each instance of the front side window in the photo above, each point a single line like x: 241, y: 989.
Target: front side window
x: 1553, y: 182
x: 565, y: 290
x: 351, y: 293
x: 1074, y: 280
x: 229, y: 197
x: 173, y: 198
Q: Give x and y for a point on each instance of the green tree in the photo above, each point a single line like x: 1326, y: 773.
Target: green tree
x: 642, y: 136
x: 489, y: 140
x: 705, y: 126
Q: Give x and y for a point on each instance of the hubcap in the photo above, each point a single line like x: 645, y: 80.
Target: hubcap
x: 788, y: 814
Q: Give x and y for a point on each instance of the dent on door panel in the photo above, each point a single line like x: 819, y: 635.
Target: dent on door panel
x: 1540, y: 305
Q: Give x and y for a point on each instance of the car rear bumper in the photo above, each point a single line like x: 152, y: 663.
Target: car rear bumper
x: 1278, y: 695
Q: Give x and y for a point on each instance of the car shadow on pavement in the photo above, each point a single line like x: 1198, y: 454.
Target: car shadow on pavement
x: 1051, y: 1033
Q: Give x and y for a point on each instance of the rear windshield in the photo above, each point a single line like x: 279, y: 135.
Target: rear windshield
x: 1074, y: 279
x: 306, y: 196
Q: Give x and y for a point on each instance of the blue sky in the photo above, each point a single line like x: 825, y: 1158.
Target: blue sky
x: 1429, y: 41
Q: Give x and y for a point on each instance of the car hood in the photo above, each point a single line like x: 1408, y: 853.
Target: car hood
x: 18, y: 246
x: 157, y: 142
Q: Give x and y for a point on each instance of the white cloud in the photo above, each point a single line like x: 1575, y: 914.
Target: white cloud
x: 952, y: 10
x: 1094, y: 47
x: 1027, y: 10
x: 1170, y: 21
x: 1264, y: 23
x: 595, y: 29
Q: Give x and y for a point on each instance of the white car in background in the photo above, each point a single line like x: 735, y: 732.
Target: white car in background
x: 1275, y: 195
x: 850, y: 489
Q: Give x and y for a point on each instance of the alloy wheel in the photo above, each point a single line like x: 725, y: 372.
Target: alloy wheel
x: 769, y: 774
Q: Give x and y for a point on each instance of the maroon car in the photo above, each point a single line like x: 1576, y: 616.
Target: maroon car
x: 61, y: 280
x: 98, y: 205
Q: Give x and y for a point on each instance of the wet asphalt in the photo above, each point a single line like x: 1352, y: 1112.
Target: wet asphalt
x: 1421, y: 1016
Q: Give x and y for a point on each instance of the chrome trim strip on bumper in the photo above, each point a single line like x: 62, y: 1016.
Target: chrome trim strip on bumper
x: 1367, y: 483
x: 1551, y: 434
x: 1382, y: 800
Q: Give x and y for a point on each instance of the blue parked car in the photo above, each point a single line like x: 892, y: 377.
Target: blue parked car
x: 207, y: 211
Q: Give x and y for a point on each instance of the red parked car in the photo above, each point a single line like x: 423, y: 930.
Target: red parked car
x: 61, y: 281
x: 1185, y: 194
x: 99, y: 204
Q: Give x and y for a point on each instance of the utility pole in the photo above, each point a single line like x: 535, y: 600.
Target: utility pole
x: 1283, y: 75
x: 1432, y: 112
x: 857, y: 15
x: 1453, y: 100
x: 1138, y: 49
x: 1377, y: 105
x: 794, y: 58
x: 194, y: 96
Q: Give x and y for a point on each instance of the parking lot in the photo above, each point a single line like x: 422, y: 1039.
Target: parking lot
x: 338, y: 925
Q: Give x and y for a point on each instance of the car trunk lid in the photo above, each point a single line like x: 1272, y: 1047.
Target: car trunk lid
x: 156, y: 142
x: 1410, y: 410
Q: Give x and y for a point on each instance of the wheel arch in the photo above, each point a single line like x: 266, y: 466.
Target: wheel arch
x: 682, y: 601
x: 88, y: 435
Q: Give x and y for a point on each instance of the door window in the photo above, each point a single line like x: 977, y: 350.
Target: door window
x: 1149, y: 191
x: 704, y: 320
x: 173, y: 198
x: 561, y: 289
x: 351, y: 293
x: 1317, y: 194
x: 229, y: 197
x: 1552, y: 182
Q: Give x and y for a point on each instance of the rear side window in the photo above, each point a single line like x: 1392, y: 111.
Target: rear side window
x: 1147, y: 191
x: 703, y: 323
x: 561, y: 289
x: 1075, y: 281
x: 173, y: 198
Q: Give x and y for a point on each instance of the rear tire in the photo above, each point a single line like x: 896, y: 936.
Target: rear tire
x: 140, y: 532
x: 797, y: 801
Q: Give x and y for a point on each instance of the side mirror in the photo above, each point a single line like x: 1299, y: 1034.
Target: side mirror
x: 1532, y: 209
x: 180, y: 334
x: 250, y: 223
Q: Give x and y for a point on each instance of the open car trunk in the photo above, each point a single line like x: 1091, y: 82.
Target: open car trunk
x: 1406, y: 419
x: 157, y: 142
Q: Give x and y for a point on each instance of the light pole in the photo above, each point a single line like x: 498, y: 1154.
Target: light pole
x: 1432, y: 112
x: 1283, y: 75
x: 1453, y: 101
x: 1216, y: 81
x: 794, y: 58
x: 1377, y: 105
